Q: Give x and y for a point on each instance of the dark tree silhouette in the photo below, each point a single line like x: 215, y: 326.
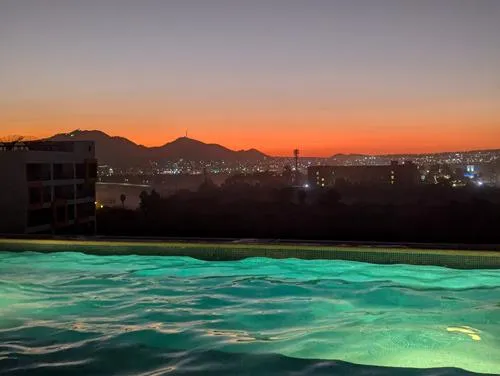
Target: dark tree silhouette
x: 365, y: 213
x: 302, y: 196
x: 122, y: 199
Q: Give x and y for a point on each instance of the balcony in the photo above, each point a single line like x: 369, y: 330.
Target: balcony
x: 37, y: 172
x: 64, y: 192
x: 64, y: 171
x: 85, y: 190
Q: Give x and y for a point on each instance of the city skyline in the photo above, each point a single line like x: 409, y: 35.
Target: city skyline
x: 328, y: 77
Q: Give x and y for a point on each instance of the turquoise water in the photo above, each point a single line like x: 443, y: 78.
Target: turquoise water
x: 70, y: 313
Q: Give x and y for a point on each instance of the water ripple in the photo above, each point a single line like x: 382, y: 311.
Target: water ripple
x: 78, y: 314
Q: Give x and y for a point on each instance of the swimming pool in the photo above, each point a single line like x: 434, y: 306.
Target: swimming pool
x: 72, y: 313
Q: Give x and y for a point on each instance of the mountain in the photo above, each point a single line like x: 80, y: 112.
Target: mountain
x: 194, y: 150
x: 346, y: 157
x: 121, y: 152
x: 341, y: 155
x: 115, y: 151
x: 413, y: 155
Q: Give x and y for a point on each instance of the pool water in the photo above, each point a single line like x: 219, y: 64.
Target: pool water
x: 71, y: 313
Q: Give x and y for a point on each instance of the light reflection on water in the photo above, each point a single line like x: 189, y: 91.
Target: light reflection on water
x: 73, y: 313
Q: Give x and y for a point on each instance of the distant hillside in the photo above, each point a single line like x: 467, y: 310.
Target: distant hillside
x: 121, y: 152
x: 116, y: 151
x: 345, y: 156
x: 414, y: 155
x: 194, y: 150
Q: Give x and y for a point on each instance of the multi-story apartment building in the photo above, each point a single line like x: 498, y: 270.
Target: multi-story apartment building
x: 394, y: 174
x: 47, y: 187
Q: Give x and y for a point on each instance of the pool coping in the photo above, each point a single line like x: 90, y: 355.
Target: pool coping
x: 488, y: 257
x: 488, y: 247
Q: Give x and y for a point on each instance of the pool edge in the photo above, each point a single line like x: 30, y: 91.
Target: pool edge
x: 237, y: 250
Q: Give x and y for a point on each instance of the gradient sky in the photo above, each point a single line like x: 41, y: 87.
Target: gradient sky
x: 327, y: 76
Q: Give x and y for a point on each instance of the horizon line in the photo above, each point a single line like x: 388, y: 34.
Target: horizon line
x: 33, y: 138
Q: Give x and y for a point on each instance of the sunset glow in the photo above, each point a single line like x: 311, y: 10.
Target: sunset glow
x: 327, y: 77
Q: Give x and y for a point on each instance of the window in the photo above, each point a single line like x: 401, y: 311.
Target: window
x: 64, y: 192
x: 80, y: 190
x: 38, y: 171
x: 80, y: 171
x: 35, y: 196
x: 71, y: 212
x: 47, y: 194
x: 39, y: 217
x: 63, y: 171
x: 61, y: 214
x: 85, y: 190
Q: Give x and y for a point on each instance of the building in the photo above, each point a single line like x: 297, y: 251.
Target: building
x: 405, y: 174
x: 259, y: 179
x: 47, y: 187
x: 487, y: 173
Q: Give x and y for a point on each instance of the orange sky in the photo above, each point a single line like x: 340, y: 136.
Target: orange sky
x: 323, y: 76
x: 376, y: 128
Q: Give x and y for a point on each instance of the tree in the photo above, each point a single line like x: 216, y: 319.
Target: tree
x: 149, y: 201
x: 122, y: 199
x: 155, y: 197
x: 329, y: 198
x: 285, y: 195
x: 144, y: 200
x: 302, y: 196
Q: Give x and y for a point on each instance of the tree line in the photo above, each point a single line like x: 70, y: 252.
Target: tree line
x: 359, y: 213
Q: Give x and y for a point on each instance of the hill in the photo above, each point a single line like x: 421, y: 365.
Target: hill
x: 190, y: 149
x: 121, y: 152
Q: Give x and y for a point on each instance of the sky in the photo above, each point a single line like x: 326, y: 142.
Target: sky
x: 324, y: 76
